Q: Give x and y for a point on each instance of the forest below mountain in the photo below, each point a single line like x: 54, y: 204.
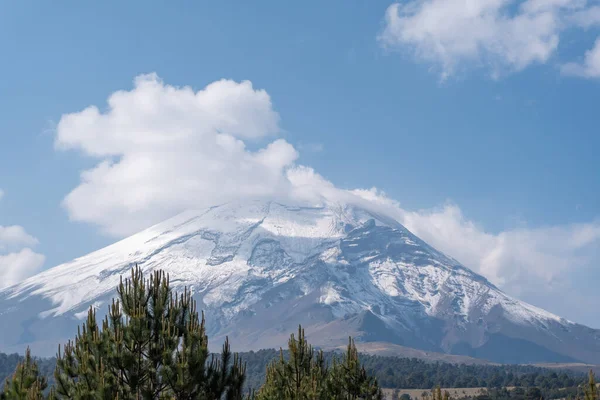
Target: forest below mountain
x: 395, y: 372
x: 411, y: 373
x: 153, y: 344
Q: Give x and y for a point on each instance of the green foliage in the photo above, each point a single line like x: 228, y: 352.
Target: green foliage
x: 534, y: 393
x: 436, y: 394
x: 591, y: 390
x: 353, y: 380
x: 151, y: 345
x: 9, y: 363
x: 401, y: 373
x: 306, y: 375
x: 407, y: 373
x: 26, y: 382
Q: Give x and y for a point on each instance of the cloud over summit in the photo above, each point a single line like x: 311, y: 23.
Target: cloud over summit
x: 161, y: 150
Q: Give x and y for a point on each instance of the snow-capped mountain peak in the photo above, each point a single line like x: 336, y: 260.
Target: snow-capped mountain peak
x: 260, y: 268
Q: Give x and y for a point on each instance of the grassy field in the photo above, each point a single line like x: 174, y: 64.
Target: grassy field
x: 455, y: 393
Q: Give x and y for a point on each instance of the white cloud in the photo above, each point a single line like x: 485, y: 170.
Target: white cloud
x: 164, y: 149
x: 589, y: 68
x: 501, y: 35
x: 17, y: 260
x: 540, y: 265
x: 14, y: 267
x: 155, y: 160
x: 15, y: 235
x: 524, y: 260
x: 586, y: 18
x: 511, y: 258
x: 1, y: 194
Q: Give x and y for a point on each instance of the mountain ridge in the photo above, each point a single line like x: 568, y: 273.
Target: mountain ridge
x: 260, y: 268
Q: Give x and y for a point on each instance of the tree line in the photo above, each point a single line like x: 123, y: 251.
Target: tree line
x: 152, y: 344
x: 391, y: 372
x: 411, y: 373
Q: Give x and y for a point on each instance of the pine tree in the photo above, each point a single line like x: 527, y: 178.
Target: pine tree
x: 355, y: 382
x: 591, y: 391
x: 26, y: 382
x: 303, y: 376
x: 306, y: 375
x: 437, y: 394
x: 151, y: 345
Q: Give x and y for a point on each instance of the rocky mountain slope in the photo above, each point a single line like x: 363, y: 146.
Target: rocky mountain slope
x: 259, y: 269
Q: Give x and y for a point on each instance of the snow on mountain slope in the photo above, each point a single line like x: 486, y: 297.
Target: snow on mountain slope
x: 260, y: 268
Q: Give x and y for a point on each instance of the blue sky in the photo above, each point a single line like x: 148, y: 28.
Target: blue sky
x: 482, y: 125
